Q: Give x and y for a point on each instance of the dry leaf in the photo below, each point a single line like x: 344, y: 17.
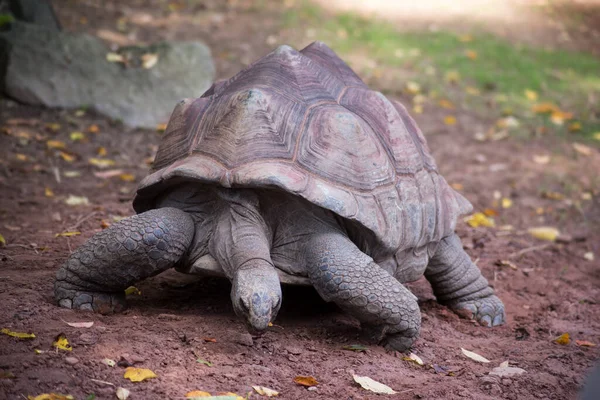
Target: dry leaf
x: 490, y: 212
x: 2, y: 240
x: 372, y: 385
x: 54, y: 127
x: 355, y: 347
x: 21, y: 157
x: 412, y: 357
x: 506, y: 263
x: 563, y: 339
x: 51, y: 396
x: 76, y: 136
x: 197, y: 393
x: 210, y: 340
x: 67, y: 234
x: 109, y: 362
x: 61, y: 342
x: 127, y: 177
x: 450, y: 120
x: 149, y: 60
x: 457, y: 186
x: 559, y: 117
x: 504, y: 364
x: 66, y: 156
x: 72, y: 174
x: 56, y: 144
x: 589, y: 256
x: 479, y: 219
x: 541, y: 159
x: 48, y: 192
x: 452, y: 77
x: 544, y: 108
x: 307, y: 381
x: 101, y: 162
x: 473, y: 91
x: 474, y: 356
x: 80, y: 324
x: 413, y: 87
x: 114, y: 57
x: 77, y: 200
x: 265, y: 391
x: 132, y: 290
x: 19, y: 335
x: 583, y: 149
x: 553, y: 195
x: 207, y: 363
x: 596, y: 135
x: 471, y: 54
x: 93, y: 129
x: 161, y: 127
x: 575, y: 127
x: 447, y: 104
x: 108, y: 173
x: 506, y: 202
x: 101, y: 151
x: 122, y: 393
x: 531, y: 95
x: 584, y: 343
x: 138, y: 374
x: 544, y: 233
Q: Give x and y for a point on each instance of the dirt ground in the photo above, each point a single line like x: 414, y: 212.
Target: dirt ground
x: 554, y: 288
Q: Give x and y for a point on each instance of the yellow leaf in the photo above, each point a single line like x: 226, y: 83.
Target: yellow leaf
x: 596, y: 135
x: 445, y: 103
x: 161, y: 127
x: 506, y: 202
x: 38, y: 351
x: 553, y: 195
x: 77, y: 200
x: 19, y: 335
x: 51, y: 396
x: 21, y: 157
x: 452, y: 77
x: 450, y: 120
x: 479, y: 219
x: 544, y: 233
x: 307, y: 381
x: 101, y: 162
x: 473, y: 91
x: 68, y: 234
x: 506, y: 263
x: 66, y: 156
x: 575, y: 127
x: 372, y: 385
x: 93, y: 129
x: 132, y: 290
x: 544, y: 108
x: 584, y: 343
x: 62, y: 343
x: 474, y: 356
x: 413, y: 87
x: 75, y: 136
x: 101, y: 151
x: 559, y: 117
x: 55, y: 144
x: 541, y: 159
x: 127, y: 177
x: 457, y: 186
x: 412, y: 357
x: 471, y: 54
x: 563, y: 339
x: 138, y: 374
x: 531, y: 95
x: 418, y: 109
x: 48, y: 192
x: 114, y: 57
x: 2, y: 240
x: 54, y: 127
x: 583, y: 149
x: 265, y: 391
x: 149, y: 60
x: 197, y: 393
x: 490, y: 212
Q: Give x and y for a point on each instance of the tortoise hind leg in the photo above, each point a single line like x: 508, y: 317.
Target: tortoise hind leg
x: 96, y: 274
x: 458, y: 283
x: 341, y: 273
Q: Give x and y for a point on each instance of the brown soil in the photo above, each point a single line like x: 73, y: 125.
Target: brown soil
x: 554, y: 289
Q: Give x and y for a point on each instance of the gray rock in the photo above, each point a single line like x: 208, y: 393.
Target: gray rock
x: 60, y: 69
x: 71, y: 360
x: 505, y: 372
x: 243, y: 339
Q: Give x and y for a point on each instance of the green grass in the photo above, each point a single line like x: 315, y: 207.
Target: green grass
x: 500, y: 70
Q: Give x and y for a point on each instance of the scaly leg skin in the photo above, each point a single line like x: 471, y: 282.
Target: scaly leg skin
x: 341, y: 273
x: 96, y: 274
x: 458, y: 283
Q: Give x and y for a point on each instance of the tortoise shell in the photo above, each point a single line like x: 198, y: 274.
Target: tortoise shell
x: 305, y: 123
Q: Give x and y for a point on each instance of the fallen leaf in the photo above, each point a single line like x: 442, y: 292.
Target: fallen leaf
x: 21, y: 157
x: 19, y: 335
x: 583, y: 149
x: 114, y: 57
x: 372, y: 385
x: 66, y: 156
x: 506, y: 263
x: 207, y: 363
x: 132, y: 290
x: 465, y: 38
x: 413, y: 87
x: 559, y: 117
x: 122, y: 393
x: 412, y: 357
x: 211, y: 340
x: 563, y: 339
x: 584, y: 343
x: 457, y: 186
x: 149, y: 60
x: 531, y: 95
x: 307, y: 381
x: 127, y: 177
x: 108, y: 173
x: 440, y: 369
x: 197, y: 393
x: 109, y: 362
x: 101, y: 151
x: 104, y: 224
x: 51, y: 396
x: 56, y: 144
x: 265, y: 391
x: 575, y: 127
x: 138, y: 374
x: 471, y: 54
x: 38, y: 351
x: 479, y: 219
x: 72, y: 174
x: 474, y: 356
x: 161, y: 127
x: 544, y: 108
x: 67, y: 234
x: 80, y: 324
x: 506, y: 371
x: 490, y: 212
x: 553, y: 195
x: 48, y: 192
x: 586, y: 196
x: 61, y: 342
x: 2, y: 240
x: 450, y: 120
x: 76, y: 136
x: 506, y: 202
x: 101, y: 162
x: 93, y: 128
x: 588, y: 256
x: 504, y: 364
x: 77, y: 200
x: 452, y: 77
x: 544, y: 233
x: 54, y: 127
x: 356, y: 347
x: 447, y: 104
x: 473, y: 91
x: 596, y: 135
x: 418, y: 109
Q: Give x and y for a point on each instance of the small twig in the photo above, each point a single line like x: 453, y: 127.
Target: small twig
x: 81, y: 221
x: 25, y: 246
x: 103, y: 382
x: 528, y: 249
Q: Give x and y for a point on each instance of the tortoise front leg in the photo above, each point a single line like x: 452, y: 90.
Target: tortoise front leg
x: 341, y: 273
x: 96, y: 274
x: 458, y: 283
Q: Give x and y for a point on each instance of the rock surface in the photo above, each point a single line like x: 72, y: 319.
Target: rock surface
x: 39, y: 66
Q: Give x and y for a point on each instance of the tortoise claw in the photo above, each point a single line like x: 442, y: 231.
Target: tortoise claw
x: 488, y: 311
x: 102, y: 303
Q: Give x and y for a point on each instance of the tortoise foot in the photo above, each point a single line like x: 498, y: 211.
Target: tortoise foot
x: 488, y: 311
x: 100, y: 302
x: 399, y: 341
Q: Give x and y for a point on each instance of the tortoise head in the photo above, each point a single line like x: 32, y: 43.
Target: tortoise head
x: 256, y: 297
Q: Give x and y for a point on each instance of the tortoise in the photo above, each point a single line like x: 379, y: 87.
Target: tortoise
x: 293, y: 171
